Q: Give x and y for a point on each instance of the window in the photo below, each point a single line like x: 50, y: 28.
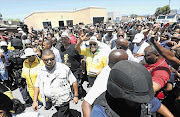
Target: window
x: 161, y: 17
x: 170, y: 16
x: 69, y: 22
x: 47, y: 25
x: 61, y: 23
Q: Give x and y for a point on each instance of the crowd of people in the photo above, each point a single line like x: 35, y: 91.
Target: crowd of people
x: 132, y: 69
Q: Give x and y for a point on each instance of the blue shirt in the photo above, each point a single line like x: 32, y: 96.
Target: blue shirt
x: 99, y: 111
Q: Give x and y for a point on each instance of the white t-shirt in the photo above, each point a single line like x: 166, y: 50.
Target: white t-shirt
x: 99, y: 86
x: 57, y: 54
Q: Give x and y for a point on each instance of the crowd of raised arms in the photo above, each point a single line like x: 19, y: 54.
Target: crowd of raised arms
x: 131, y: 70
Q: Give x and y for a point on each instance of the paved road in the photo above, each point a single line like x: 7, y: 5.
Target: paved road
x: 50, y: 112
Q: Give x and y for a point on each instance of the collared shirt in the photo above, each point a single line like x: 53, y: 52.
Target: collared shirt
x: 57, y: 54
x: 55, y: 84
x: 99, y: 86
x: 160, y: 72
x: 95, y: 62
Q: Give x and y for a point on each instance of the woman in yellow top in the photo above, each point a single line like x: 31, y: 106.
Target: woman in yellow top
x: 30, y: 69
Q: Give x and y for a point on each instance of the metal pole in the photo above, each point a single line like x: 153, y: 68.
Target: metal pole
x: 169, y: 2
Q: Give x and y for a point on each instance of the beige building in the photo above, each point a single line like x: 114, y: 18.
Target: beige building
x: 89, y: 15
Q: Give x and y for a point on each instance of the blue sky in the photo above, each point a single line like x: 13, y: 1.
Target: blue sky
x: 22, y: 8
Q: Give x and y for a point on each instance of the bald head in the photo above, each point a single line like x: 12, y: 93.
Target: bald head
x: 47, y: 52
x: 116, y: 56
x: 122, y: 43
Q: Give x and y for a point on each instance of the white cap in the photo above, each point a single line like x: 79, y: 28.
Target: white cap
x: 138, y: 38
x: 19, y: 29
x: 3, y: 43
x: 65, y: 34
x: 28, y: 52
x: 110, y: 29
x: 27, y: 41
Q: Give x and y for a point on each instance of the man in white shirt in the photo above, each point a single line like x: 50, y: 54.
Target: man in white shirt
x: 47, y: 44
x: 139, y: 46
x: 53, y: 82
x: 100, y: 85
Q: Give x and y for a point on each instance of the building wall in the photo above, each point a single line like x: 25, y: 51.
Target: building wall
x: 97, y: 13
x: 84, y: 15
x: 36, y: 20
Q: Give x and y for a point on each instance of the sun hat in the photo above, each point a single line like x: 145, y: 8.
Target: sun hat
x: 28, y: 52
x: 93, y: 39
x: 138, y: 38
x: 3, y: 43
x: 131, y: 81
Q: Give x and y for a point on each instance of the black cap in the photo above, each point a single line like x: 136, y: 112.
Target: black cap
x: 132, y: 33
x: 131, y: 81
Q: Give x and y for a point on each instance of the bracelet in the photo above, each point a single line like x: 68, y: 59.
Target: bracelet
x: 76, y: 96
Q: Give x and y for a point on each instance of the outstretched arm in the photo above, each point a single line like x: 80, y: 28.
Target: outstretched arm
x: 167, y: 54
x: 80, y: 40
x: 163, y: 110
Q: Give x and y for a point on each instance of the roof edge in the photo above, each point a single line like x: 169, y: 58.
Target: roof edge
x: 64, y: 11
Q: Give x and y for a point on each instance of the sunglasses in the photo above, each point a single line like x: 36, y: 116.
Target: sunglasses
x: 30, y: 56
x: 51, y: 59
x: 174, y: 38
x: 120, y: 35
x: 94, y: 44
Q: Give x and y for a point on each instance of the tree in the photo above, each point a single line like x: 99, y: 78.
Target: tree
x: 134, y: 16
x: 17, y: 20
x: 162, y: 10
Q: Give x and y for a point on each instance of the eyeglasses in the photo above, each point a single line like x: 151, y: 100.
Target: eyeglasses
x: 94, y: 44
x: 51, y: 59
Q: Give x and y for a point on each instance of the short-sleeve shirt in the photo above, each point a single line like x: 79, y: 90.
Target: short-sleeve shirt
x: 160, y: 72
x: 96, y: 61
x: 71, y: 57
x: 56, y: 83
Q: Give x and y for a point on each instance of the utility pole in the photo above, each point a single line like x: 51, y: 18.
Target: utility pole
x: 169, y: 2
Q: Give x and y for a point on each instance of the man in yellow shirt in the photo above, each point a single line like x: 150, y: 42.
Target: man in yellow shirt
x: 96, y: 60
x: 30, y: 69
